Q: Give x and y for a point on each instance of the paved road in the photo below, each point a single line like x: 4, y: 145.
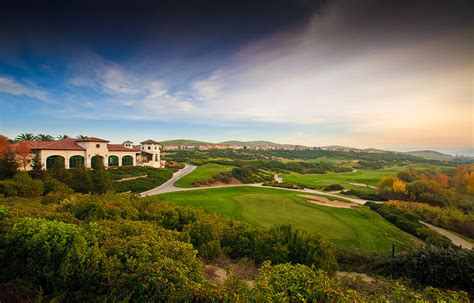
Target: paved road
x: 169, y: 187
x: 457, y: 240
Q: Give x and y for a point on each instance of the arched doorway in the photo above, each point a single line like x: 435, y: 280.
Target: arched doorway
x: 127, y: 161
x: 97, y: 162
x: 51, y: 161
x: 113, y: 161
x: 76, y: 161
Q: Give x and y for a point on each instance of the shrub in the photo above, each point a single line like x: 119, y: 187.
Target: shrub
x: 22, y: 186
x: 435, y: 266
x: 53, y: 185
x: 54, y: 256
x: 334, y: 187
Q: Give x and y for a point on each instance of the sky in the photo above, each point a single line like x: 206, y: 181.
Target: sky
x: 369, y: 73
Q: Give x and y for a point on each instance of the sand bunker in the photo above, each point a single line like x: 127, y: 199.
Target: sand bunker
x: 326, y: 202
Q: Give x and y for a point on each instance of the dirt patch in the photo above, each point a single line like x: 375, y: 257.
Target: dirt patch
x: 326, y: 202
x: 355, y: 276
x: 457, y: 240
x: 219, y: 269
x: 363, y: 185
x: 131, y: 178
x: 231, y: 182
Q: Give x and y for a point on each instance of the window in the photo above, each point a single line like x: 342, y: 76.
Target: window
x: 97, y: 145
x: 127, y: 161
x: 149, y: 147
x: 51, y: 161
x: 113, y: 161
x: 155, y: 147
x: 76, y: 161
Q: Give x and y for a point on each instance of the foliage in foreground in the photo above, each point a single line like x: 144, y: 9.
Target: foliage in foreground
x: 117, y: 248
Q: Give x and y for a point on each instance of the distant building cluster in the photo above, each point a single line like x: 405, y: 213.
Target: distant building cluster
x: 203, y: 147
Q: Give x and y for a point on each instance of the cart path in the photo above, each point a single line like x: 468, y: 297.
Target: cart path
x: 457, y: 240
x: 168, y: 187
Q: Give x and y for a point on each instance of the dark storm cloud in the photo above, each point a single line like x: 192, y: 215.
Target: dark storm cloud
x: 124, y: 22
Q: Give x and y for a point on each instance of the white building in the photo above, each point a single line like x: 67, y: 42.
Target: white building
x: 82, y: 151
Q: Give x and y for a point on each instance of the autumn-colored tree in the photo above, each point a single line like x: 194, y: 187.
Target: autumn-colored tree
x: 4, y: 145
x: 23, y: 151
x: 442, y: 179
x: 470, y: 182
x: 392, y: 187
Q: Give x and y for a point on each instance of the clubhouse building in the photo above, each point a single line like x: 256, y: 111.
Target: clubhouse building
x: 76, y: 152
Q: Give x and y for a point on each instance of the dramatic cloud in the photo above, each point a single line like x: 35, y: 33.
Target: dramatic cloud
x: 12, y: 87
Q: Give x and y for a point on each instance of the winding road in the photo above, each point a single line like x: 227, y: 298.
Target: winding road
x: 168, y: 187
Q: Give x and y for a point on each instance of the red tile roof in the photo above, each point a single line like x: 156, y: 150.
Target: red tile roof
x: 120, y: 147
x: 150, y: 142
x: 65, y: 144
x: 90, y: 139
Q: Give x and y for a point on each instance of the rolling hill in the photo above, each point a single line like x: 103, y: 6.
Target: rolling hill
x: 430, y: 154
x: 249, y: 143
x: 183, y: 142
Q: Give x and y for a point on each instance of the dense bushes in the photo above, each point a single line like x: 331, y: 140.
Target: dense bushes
x: 250, y: 174
x: 155, y: 177
x: 450, y: 218
x: 118, y: 248
x: 300, y: 283
x: 121, y: 260
x: 21, y: 185
x: 408, y: 222
x: 436, y: 266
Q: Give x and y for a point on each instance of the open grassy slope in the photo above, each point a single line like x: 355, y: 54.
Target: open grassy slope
x: 350, y: 228
x: 370, y: 177
x: 203, y: 172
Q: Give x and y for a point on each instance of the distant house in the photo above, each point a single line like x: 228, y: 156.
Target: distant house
x: 76, y: 152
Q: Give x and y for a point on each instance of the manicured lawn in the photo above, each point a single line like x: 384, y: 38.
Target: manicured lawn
x: 202, y: 173
x: 350, y: 228
x: 370, y: 177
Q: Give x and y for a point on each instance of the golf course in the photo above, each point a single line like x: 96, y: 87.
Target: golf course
x: 352, y: 228
x: 202, y: 173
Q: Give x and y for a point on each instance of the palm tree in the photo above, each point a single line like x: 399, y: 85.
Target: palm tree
x: 62, y: 137
x: 44, y: 137
x: 81, y: 137
x: 25, y: 137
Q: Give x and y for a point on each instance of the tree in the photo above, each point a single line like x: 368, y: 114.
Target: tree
x: 8, y: 165
x: 80, y: 180
x: 392, y: 187
x: 25, y: 137
x: 81, y: 137
x: 23, y: 150
x: 100, y: 179
x: 59, y: 172
x: 4, y: 145
x: 44, y: 137
x: 37, y: 171
x: 470, y: 182
x: 442, y: 179
x: 62, y: 137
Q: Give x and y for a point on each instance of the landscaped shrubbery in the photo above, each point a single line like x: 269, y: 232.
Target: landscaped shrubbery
x: 119, y: 248
x: 435, y: 266
x: 409, y: 222
x: 450, y: 218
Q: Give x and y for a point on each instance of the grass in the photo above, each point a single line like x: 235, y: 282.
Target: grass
x: 155, y: 177
x: 358, y: 228
x: 202, y: 173
x: 368, y: 177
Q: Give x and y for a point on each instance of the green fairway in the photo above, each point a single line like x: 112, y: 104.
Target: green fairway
x: 202, y: 173
x: 367, y: 177
x: 350, y: 228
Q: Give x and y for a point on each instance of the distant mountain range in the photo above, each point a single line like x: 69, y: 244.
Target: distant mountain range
x: 427, y: 154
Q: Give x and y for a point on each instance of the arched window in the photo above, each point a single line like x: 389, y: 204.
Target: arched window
x: 127, y: 161
x: 76, y: 161
x: 51, y: 161
x: 113, y: 161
